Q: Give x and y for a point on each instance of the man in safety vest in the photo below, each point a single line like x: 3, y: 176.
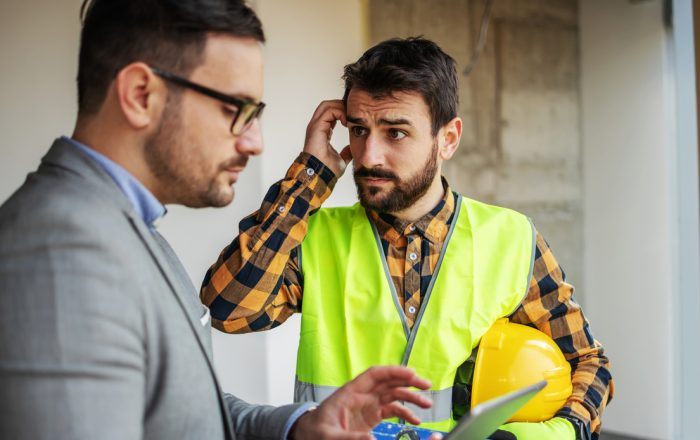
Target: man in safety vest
x: 415, y: 274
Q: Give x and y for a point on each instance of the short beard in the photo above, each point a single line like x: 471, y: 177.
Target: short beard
x: 171, y: 162
x: 405, y: 192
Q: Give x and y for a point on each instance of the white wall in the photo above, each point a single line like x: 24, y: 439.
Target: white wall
x: 38, y: 101
x: 629, y: 201
x: 309, y: 41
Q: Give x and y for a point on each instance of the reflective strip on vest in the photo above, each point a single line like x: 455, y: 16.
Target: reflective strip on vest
x: 351, y: 314
x: 441, y: 409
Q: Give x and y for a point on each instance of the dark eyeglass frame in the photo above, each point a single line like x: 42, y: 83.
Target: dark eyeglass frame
x: 247, y: 110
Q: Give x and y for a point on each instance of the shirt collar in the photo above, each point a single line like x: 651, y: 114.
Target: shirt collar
x: 144, y: 202
x: 433, y: 225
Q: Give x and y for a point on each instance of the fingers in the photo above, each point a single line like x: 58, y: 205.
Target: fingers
x: 378, y: 391
x: 435, y: 436
x: 393, y: 376
x: 324, y: 105
x: 406, y: 395
x: 328, y: 112
x: 391, y: 384
x: 395, y: 409
x: 346, y: 154
x: 319, y: 132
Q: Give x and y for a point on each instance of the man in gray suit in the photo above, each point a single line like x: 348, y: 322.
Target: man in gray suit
x: 101, y: 331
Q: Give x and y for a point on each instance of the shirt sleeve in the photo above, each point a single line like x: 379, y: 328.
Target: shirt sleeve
x: 550, y: 307
x: 256, y: 284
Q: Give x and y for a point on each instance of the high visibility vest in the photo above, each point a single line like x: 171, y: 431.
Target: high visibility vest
x: 351, y: 314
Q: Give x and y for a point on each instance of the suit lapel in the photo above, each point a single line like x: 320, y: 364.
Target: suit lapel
x: 181, y: 287
x: 68, y: 158
x: 184, y: 297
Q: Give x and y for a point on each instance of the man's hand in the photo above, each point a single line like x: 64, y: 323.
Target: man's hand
x: 353, y: 410
x: 318, y: 136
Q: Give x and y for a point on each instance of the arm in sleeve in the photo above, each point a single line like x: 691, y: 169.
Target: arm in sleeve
x: 550, y: 307
x: 256, y: 283
x: 71, y: 338
x: 256, y: 422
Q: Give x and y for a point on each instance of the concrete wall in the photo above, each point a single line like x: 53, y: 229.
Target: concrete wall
x: 520, y: 146
x: 629, y: 204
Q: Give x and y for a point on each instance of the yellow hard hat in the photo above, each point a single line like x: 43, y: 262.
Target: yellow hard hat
x: 512, y: 356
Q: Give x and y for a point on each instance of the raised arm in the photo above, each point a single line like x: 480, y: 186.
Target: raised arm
x: 256, y: 283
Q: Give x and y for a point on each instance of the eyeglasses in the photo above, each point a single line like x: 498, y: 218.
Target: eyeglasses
x: 246, y: 112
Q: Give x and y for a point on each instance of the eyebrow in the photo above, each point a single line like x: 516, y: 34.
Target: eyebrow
x: 238, y: 95
x: 245, y: 97
x: 400, y: 121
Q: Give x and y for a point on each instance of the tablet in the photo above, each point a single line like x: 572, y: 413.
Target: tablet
x: 478, y: 424
x: 486, y: 417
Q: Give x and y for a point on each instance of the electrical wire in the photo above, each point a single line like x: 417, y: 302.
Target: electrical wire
x: 483, y: 32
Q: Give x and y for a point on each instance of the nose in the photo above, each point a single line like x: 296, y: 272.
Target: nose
x: 371, y: 152
x: 250, y: 142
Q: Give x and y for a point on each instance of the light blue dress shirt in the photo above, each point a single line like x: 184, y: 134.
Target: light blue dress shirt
x: 146, y: 205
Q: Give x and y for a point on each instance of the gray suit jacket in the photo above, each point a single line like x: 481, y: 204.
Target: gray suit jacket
x: 101, y: 334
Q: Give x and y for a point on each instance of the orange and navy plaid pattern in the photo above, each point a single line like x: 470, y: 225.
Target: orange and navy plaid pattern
x: 256, y: 283
x: 412, y: 250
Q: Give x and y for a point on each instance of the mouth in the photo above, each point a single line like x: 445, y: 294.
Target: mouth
x: 375, y: 180
x: 234, y: 173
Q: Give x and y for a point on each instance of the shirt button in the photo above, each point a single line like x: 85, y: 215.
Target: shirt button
x: 411, y: 310
x: 412, y: 256
x: 281, y: 209
x: 411, y: 228
x: 310, y: 171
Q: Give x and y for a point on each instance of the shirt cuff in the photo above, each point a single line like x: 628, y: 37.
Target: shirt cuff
x: 318, y: 167
x: 296, y: 415
x: 581, y: 429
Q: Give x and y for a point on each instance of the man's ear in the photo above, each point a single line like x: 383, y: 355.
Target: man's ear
x: 450, y: 135
x: 140, y: 93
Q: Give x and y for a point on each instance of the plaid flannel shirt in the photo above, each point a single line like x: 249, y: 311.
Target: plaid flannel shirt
x: 256, y: 284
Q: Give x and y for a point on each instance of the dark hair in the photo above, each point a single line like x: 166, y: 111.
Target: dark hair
x: 408, y: 65
x: 170, y: 34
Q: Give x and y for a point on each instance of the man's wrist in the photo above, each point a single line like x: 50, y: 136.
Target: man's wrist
x: 319, y: 168
x: 293, y: 423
